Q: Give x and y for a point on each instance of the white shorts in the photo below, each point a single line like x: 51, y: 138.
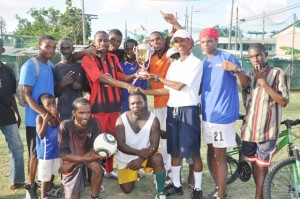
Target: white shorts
x: 161, y: 114
x: 219, y: 135
x: 47, y: 168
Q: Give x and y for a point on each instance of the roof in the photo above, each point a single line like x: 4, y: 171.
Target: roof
x: 224, y: 40
x: 11, y: 51
x: 288, y: 29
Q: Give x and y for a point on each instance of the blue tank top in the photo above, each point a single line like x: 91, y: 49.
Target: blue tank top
x: 47, y: 148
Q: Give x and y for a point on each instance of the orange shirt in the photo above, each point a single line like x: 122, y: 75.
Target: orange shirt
x: 159, y: 66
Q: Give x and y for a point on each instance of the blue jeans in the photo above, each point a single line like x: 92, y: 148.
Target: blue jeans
x: 16, y: 150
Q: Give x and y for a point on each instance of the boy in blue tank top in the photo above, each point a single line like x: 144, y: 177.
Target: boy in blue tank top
x: 47, y: 129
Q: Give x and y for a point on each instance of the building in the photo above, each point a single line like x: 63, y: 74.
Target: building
x: 284, y: 40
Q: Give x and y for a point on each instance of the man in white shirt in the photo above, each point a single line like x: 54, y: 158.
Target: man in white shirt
x: 182, y: 83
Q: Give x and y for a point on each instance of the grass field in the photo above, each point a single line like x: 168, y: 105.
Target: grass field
x: 145, y: 189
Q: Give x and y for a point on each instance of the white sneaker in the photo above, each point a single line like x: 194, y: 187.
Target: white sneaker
x: 161, y: 197
x: 141, y: 173
x: 112, y: 174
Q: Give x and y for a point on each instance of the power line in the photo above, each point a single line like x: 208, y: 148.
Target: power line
x: 273, y: 12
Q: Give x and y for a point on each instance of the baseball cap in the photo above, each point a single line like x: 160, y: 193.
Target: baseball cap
x: 171, y: 52
x: 182, y: 34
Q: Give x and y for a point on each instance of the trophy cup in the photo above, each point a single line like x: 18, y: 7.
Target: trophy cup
x: 143, y: 52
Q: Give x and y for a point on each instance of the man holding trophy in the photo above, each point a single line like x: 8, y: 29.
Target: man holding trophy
x: 105, y: 77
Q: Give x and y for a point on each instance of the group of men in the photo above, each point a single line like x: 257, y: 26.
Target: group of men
x: 178, y: 89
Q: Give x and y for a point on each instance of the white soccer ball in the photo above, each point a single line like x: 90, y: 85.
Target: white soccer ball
x: 105, y: 145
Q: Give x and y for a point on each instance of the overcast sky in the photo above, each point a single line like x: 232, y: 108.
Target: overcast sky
x: 207, y: 13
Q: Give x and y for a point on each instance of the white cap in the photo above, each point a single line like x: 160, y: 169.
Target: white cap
x: 171, y: 52
x: 182, y: 34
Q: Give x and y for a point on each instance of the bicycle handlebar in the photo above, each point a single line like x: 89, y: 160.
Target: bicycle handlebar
x: 289, y: 123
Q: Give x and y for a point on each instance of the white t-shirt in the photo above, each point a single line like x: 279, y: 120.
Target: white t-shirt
x: 188, y: 72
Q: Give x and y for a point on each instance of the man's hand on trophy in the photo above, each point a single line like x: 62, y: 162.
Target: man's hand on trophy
x: 170, y: 18
x: 142, y: 73
x: 131, y: 88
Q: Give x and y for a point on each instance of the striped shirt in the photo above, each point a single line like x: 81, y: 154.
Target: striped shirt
x: 263, y: 114
x: 104, y: 98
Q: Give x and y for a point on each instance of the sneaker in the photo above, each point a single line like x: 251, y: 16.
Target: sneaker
x: 141, y: 173
x: 55, y: 191
x: 172, y: 190
x: 38, y: 184
x: 196, y: 194
x: 31, y: 191
x: 214, y: 194
x: 102, y: 189
x: 160, y: 197
x: 16, y: 186
x: 112, y: 174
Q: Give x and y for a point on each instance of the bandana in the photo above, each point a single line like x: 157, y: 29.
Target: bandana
x: 210, y: 33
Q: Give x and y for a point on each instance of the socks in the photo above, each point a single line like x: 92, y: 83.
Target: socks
x: 198, y: 180
x: 160, y: 182
x: 176, y: 175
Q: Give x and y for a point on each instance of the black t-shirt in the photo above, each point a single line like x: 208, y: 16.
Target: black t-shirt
x: 119, y: 53
x: 65, y: 100
x: 7, y: 90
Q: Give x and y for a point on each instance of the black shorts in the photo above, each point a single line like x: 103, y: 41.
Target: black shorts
x: 31, y: 141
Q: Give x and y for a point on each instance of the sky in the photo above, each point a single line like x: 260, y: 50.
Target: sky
x: 146, y: 13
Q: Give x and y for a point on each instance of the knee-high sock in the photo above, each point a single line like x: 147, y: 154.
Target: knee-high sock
x: 198, y: 180
x: 176, y: 175
x: 160, y: 182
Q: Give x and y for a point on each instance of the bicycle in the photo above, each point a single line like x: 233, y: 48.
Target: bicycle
x: 283, y: 179
x: 237, y: 167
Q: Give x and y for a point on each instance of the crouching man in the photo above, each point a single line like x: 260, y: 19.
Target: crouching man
x: 76, y: 151
x: 138, y: 134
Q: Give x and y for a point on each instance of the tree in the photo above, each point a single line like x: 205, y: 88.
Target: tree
x: 2, y: 26
x: 55, y: 23
x: 289, y: 50
x: 224, y: 32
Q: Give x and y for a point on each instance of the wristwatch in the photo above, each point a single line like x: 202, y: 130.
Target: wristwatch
x: 238, y: 69
x: 156, y: 78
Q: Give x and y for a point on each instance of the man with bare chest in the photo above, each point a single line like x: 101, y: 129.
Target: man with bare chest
x: 138, y: 133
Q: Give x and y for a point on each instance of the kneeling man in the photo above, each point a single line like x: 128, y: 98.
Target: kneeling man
x: 138, y: 134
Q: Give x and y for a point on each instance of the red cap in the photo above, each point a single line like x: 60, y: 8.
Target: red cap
x: 210, y: 33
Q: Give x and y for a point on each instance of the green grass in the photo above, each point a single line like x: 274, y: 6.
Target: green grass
x: 145, y: 188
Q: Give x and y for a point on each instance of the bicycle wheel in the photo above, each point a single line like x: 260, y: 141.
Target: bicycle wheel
x: 233, y: 157
x: 280, y: 182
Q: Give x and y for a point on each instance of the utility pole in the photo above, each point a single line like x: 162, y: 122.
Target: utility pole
x: 236, y: 27
x: 263, y: 31
x: 83, y: 25
x: 191, y: 21
x: 293, y: 45
x: 186, y: 18
x: 231, y: 13
x: 125, y: 29
x: 2, y: 26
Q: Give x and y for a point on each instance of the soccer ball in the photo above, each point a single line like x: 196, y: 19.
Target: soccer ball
x: 105, y: 145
